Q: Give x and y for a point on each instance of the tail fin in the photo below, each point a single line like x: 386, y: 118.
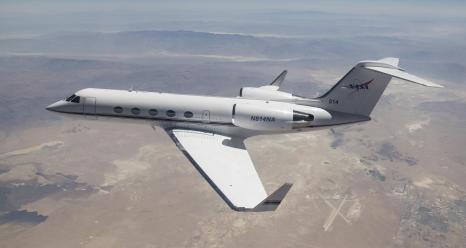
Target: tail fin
x: 360, y: 89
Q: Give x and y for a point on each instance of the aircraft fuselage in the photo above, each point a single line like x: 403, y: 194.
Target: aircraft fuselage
x: 199, y: 112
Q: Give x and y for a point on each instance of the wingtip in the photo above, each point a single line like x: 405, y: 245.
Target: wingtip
x: 430, y: 84
x: 437, y: 86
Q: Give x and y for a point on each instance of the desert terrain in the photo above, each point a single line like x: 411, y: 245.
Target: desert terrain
x: 396, y: 181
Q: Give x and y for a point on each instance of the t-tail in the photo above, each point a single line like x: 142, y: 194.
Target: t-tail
x: 360, y: 89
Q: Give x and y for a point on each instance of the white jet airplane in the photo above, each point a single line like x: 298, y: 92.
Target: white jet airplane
x: 211, y: 131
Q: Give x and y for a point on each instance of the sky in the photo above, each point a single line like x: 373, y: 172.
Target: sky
x: 34, y: 17
x: 447, y: 7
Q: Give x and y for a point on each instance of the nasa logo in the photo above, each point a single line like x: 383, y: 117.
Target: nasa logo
x: 363, y: 86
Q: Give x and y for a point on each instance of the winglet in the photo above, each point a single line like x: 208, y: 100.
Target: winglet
x: 273, y: 200
x: 279, y: 80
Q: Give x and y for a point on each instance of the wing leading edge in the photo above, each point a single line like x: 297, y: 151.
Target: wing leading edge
x: 225, y: 163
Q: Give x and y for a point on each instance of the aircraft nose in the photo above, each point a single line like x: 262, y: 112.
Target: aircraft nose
x: 55, y: 106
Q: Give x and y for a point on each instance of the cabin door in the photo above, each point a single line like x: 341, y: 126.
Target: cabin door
x: 89, y: 106
x: 205, y: 116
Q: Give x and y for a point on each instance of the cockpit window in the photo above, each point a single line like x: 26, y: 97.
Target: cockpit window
x: 73, y: 98
x: 70, y: 98
x: 76, y: 99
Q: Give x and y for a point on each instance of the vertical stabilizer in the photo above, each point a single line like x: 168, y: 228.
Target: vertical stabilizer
x: 360, y: 89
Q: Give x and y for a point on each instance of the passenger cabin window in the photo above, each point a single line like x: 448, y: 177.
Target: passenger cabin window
x: 118, y: 110
x: 171, y: 113
x: 188, y: 114
x: 135, y: 111
x: 153, y: 111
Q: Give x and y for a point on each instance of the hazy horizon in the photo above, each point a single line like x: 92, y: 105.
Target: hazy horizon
x: 34, y: 18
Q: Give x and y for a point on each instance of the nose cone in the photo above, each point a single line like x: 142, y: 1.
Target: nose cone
x: 56, y: 107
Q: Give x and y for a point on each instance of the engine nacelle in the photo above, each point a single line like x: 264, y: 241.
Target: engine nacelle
x: 264, y: 94
x: 262, y: 117
x: 274, y: 117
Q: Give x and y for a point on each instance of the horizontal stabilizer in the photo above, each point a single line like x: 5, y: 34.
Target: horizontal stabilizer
x: 404, y: 75
x: 272, y: 202
x: 390, y: 67
x: 389, y: 61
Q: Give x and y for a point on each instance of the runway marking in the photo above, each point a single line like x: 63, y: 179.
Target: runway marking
x: 335, y: 212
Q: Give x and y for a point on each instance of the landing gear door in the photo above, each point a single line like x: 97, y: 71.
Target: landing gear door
x: 89, y: 107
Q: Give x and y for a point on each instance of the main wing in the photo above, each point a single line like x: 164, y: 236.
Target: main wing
x: 225, y: 164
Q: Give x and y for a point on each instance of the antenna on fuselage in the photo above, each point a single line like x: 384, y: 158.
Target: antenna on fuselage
x: 131, y: 88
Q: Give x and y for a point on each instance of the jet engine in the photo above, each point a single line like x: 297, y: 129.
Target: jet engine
x: 268, y: 117
x: 264, y: 93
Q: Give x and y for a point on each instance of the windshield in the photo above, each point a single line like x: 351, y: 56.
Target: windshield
x: 73, y: 98
x: 70, y: 98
